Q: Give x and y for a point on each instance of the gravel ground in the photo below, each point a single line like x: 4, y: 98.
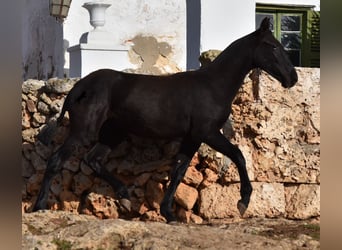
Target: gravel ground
x: 62, y: 230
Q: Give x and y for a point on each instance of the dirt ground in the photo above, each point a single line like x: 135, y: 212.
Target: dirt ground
x: 61, y: 230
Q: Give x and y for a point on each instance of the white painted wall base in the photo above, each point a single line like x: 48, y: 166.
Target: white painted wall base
x: 86, y: 58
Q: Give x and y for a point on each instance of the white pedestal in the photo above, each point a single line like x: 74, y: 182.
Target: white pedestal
x: 86, y: 58
x: 96, y: 50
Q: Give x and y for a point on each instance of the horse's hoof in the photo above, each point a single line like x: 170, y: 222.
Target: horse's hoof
x: 125, y: 205
x: 170, y: 218
x: 38, y: 207
x: 168, y: 215
x: 242, y: 208
x: 173, y: 222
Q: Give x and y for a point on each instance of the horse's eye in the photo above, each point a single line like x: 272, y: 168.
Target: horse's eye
x: 274, y: 46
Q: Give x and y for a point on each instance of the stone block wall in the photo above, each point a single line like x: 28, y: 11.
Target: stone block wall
x: 278, y: 131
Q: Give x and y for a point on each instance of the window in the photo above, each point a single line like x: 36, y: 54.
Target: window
x: 296, y: 30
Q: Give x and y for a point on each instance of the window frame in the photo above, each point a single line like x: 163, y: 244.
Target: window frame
x: 277, y: 11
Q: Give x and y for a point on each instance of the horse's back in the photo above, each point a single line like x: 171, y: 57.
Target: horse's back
x: 157, y: 106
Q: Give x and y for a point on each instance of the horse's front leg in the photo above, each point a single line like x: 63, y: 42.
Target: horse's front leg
x: 220, y: 143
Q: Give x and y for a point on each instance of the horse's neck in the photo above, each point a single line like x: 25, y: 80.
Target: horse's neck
x: 230, y: 68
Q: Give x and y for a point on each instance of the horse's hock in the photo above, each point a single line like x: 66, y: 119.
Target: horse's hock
x: 277, y: 129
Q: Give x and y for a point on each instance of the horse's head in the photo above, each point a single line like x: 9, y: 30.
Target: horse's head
x: 271, y: 56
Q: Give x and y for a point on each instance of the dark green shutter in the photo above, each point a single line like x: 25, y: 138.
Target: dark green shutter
x: 312, y: 43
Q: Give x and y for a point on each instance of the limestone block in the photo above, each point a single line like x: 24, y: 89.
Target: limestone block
x: 60, y: 86
x: 85, y: 168
x: 139, y: 192
x: 33, y: 183
x: 193, y: 177
x: 187, y: 216
x: 43, y: 108
x: 139, y: 205
x: 207, y: 57
x: 73, y: 164
x: 32, y: 85
x: 56, y: 105
x: 40, y: 119
x: 31, y: 106
x: 183, y: 215
x: 37, y: 161
x: 29, y: 134
x: 154, y: 193
x: 81, y: 183
x: 267, y: 200
x: 56, y: 185
x: 69, y: 201
x: 218, y: 201
x: 25, y: 119
x: 102, y: 187
x: 27, y: 169
x: 196, y: 219
x: 186, y: 196
x: 42, y: 150
x: 27, y: 149
x: 303, y: 201
x: 67, y: 178
x: 142, y: 179
x: 153, y: 215
x: 102, y: 206
x: 210, y: 177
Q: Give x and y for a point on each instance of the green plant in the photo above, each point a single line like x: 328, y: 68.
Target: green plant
x: 62, y: 244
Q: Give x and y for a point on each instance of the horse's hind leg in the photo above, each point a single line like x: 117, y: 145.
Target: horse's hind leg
x: 182, y: 160
x: 110, y: 136
x: 218, y: 142
x: 54, y: 166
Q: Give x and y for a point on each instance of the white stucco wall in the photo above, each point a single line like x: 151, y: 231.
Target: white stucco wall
x: 42, y: 41
x: 163, y: 19
x: 223, y: 21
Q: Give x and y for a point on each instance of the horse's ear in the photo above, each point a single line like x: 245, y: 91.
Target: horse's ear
x: 265, y: 24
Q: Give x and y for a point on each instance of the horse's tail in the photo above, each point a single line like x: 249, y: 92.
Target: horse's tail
x: 46, y: 134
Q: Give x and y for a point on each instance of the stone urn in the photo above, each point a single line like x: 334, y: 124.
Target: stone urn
x: 97, y: 13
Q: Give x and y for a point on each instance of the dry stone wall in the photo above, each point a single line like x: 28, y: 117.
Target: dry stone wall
x: 278, y: 131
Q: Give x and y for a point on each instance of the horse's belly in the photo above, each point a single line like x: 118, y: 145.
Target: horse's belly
x: 166, y: 128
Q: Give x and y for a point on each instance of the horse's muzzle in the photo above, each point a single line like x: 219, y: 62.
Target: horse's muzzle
x: 293, y: 78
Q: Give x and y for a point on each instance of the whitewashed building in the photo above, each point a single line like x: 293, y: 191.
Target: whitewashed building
x: 181, y: 30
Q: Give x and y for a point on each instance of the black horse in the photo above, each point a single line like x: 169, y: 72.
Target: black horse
x: 107, y: 105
